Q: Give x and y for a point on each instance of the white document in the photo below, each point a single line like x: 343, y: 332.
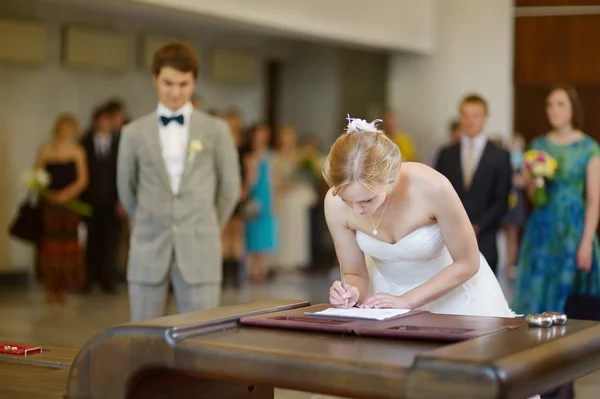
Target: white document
x: 358, y: 313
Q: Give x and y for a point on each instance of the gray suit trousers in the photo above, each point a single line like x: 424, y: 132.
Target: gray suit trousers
x: 148, y: 301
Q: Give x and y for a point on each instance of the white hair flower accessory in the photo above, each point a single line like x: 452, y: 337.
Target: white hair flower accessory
x: 361, y: 125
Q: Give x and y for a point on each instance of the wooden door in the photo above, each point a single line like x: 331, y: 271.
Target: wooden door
x: 551, y: 49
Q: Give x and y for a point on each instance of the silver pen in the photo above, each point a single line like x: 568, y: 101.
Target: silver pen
x: 344, y: 284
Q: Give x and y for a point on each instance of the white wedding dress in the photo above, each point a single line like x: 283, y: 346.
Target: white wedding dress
x: 419, y: 256
x: 400, y: 267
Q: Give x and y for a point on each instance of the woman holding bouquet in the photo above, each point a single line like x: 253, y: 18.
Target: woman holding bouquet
x: 559, y: 243
x: 60, y: 256
x: 295, y: 196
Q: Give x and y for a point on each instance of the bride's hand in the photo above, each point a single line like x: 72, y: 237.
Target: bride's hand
x: 382, y: 300
x: 337, y: 295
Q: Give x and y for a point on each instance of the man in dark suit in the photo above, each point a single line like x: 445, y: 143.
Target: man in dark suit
x: 480, y: 172
x: 119, y: 118
x: 101, y: 146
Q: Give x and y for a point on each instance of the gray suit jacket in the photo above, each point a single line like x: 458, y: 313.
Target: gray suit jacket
x: 187, y: 225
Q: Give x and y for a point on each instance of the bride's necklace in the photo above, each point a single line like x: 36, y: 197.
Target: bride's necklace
x: 380, y: 216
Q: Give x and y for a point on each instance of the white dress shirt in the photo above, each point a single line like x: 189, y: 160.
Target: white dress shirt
x: 477, y: 144
x: 174, y: 140
x: 102, y: 144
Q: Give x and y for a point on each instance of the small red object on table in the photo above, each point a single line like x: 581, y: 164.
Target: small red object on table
x: 12, y: 349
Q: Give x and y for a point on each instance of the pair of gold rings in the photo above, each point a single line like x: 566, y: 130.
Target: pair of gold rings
x: 547, y: 319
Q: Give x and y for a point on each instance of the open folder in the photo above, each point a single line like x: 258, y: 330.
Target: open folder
x: 405, y: 324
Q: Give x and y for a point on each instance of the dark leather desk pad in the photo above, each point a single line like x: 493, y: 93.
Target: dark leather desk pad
x: 416, y: 324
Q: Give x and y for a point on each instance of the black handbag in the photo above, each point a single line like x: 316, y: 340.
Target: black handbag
x: 27, y: 226
x: 581, y: 304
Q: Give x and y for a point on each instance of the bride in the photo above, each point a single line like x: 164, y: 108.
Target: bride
x: 408, y: 219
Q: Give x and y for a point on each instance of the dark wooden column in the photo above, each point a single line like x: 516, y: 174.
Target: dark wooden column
x: 551, y: 47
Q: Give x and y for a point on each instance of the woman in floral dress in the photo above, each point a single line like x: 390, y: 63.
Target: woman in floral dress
x: 560, y: 243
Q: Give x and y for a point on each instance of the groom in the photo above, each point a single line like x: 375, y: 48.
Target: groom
x: 178, y: 179
x: 481, y: 173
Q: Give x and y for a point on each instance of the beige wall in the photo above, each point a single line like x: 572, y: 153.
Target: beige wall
x: 323, y: 84
x: 474, y: 52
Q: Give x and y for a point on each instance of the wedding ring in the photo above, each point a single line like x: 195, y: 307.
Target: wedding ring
x: 539, y: 320
x: 558, y: 319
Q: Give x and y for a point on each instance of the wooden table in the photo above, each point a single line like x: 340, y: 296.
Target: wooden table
x: 42, y: 376
x: 209, y: 355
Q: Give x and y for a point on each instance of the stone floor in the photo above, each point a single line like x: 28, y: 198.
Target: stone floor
x: 26, y: 317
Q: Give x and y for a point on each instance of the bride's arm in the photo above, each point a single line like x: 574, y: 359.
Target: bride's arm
x: 460, y: 239
x: 348, y: 253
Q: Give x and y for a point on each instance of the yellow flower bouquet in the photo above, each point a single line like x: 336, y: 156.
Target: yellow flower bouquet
x: 540, y: 166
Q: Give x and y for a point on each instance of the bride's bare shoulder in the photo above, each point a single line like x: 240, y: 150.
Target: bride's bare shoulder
x: 335, y: 208
x: 428, y: 181
x: 332, y: 202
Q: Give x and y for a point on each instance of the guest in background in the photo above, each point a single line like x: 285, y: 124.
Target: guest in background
x: 454, y: 132
x: 453, y: 138
x: 560, y: 253
x: 497, y: 139
x: 117, y: 114
x: 559, y: 242
x: 402, y: 140
x: 233, y: 234
x: 101, y: 147
x: 515, y: 219
x: 261, y: 236
x: 322, y: 254
x: 480, y: 173
x: 295, y: 196
x: 61, y: 259
x: 197, y: 102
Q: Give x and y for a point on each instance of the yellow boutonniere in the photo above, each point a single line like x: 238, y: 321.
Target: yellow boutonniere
x: 513, y: 200
x: 196, y: 146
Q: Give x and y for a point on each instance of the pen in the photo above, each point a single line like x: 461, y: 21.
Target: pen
x: 344, y: 284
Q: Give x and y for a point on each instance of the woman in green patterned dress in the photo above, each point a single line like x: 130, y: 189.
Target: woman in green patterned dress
x: 560, y: 242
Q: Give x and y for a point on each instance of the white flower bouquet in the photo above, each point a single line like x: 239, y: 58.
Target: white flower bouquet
x: 39, y: 180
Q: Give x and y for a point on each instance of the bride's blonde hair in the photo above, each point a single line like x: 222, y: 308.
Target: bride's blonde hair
x: 362, y: 154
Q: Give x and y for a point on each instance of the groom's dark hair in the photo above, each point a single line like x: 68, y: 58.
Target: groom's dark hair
x: 177, y: 55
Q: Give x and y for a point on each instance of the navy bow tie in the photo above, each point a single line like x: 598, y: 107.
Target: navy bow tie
x: 167, y: 119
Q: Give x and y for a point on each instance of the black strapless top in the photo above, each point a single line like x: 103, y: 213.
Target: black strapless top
x: 62, y: 174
